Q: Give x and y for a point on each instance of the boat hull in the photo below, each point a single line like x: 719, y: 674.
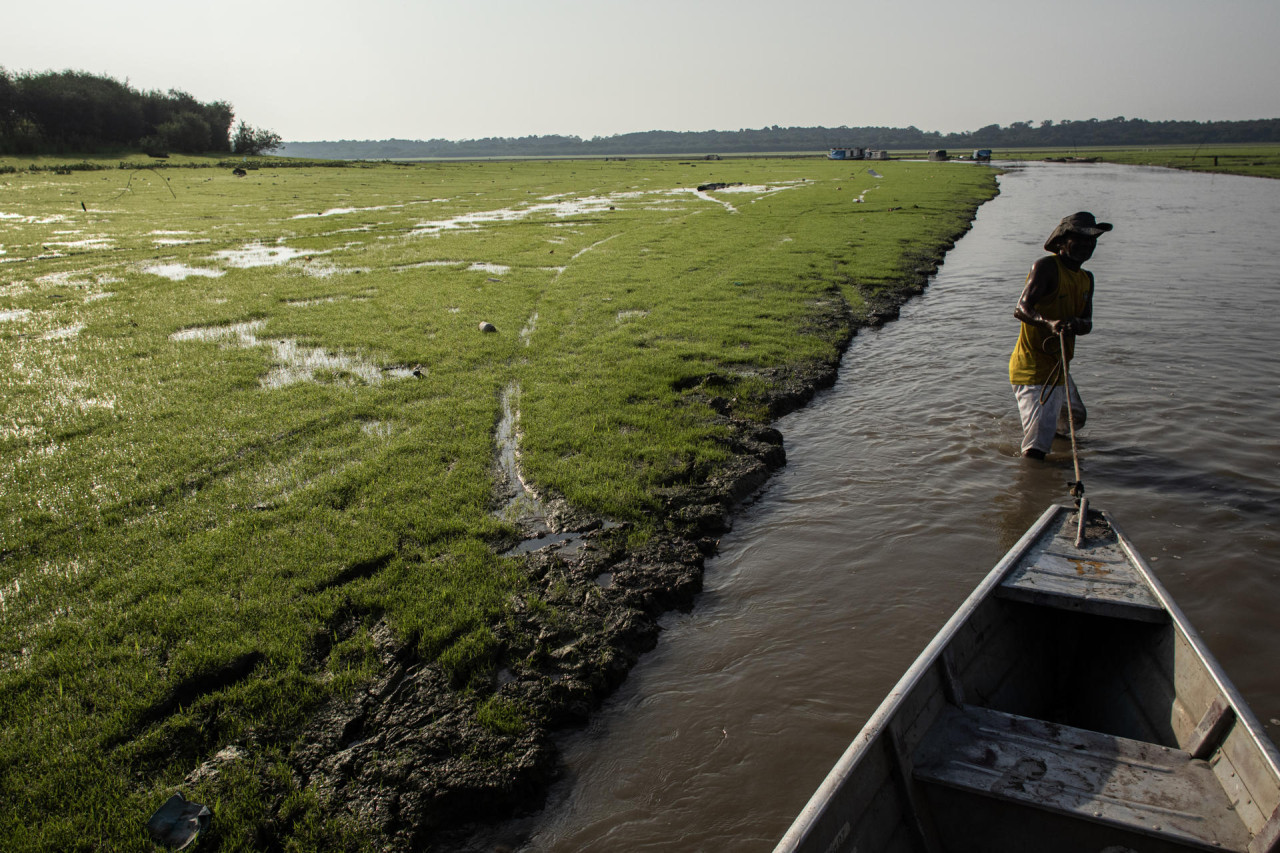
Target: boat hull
x: 1069, y: 703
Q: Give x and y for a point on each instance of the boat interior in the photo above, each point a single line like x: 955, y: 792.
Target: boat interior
x: 1070, y: 710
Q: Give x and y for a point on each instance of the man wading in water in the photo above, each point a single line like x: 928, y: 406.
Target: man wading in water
x: 1058, y: 298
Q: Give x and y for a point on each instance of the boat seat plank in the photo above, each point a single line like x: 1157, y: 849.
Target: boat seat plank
x: 1135, y: 786
x: 1268, y: 840
x: 1095, y: 578
x: 1211, y: 729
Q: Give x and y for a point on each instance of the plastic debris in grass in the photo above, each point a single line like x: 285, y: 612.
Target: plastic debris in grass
x: 178, y: 822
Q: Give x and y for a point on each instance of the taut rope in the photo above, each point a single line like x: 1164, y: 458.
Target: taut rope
x: 1076, y: 486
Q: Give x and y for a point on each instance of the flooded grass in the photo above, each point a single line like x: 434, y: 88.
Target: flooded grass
x: 179, y: 272
x: 233, y: 439
x: 291, y: 362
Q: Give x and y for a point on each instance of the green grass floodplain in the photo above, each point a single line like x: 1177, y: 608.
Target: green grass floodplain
x: 213, y: 447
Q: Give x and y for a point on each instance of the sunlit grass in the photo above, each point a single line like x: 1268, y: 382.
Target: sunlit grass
x: 219, y: 467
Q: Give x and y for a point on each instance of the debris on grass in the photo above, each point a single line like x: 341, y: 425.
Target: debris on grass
x: 178, y: 822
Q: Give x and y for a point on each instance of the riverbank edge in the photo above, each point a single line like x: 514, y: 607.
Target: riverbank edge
x: 418, y: 763
x: 1250, y: 160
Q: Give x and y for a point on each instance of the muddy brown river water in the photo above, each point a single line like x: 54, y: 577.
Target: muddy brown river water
x: 903, y: 487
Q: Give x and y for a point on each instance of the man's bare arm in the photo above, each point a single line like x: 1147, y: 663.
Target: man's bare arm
x: 1084, y: 323
x: 1042, y: 282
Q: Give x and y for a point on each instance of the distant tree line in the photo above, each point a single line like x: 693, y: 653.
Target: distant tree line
x: 775, y: 139
x: 75, y: 112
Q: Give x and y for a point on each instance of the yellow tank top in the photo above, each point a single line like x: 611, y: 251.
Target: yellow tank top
x: 1030, y: 364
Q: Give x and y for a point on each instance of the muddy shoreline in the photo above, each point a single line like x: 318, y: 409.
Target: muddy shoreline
x: 419, y: 763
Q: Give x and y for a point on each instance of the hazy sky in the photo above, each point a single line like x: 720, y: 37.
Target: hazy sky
x: 465, y: 69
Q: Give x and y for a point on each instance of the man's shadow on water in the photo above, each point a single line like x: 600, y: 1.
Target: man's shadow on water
x: 1106, y: 465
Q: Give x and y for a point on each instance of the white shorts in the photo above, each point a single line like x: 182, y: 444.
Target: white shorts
x: 1040, y: 422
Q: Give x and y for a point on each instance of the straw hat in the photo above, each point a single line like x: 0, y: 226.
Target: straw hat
x: 1076, y: 223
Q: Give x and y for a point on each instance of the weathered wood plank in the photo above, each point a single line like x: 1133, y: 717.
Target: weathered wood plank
x: 1238, y: 794
x: 1242, y: 770
x: 1193, y: 682
x: 952, y: 687
x: 1211, y: 729
x: 1268, y: 840
x: 1134, y: 786
x: 1096, y: 578
x: 922, y: 823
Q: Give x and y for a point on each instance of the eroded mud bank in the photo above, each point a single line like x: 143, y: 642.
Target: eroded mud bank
x: 423, y: 764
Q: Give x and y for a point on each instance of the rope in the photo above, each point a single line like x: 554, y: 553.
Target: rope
x: 1077, y: 486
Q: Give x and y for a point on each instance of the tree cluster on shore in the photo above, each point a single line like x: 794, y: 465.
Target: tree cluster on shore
x: 76, y: 112
x: 1047, y: 134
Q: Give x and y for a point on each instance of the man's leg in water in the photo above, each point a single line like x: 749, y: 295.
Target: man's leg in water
x: 1039, y: 422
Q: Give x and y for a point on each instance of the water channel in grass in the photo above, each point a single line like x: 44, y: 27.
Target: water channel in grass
x: 903, y: 487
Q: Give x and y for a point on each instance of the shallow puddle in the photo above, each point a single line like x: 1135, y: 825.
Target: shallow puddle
x: 32, y: 220
x: 525, y: 504
x: 376, y: 429
x: 526, y: 334
x: 258, y: 255
x: 178, y: 241
x: 563, y: 206
x: 343, y: 211
x: 525, y: 508
x: 63, y: 333
x: 294, y: 363
x: 423, y: 264
x: 307, y: 303
x: 567, y: 540
x: 553, y: 208
x: 180, y: 272
x: 326, y: 269
x: 760, y: 189
x: 76, y: 278
x: 86, y: 243
x: 706, y: 196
